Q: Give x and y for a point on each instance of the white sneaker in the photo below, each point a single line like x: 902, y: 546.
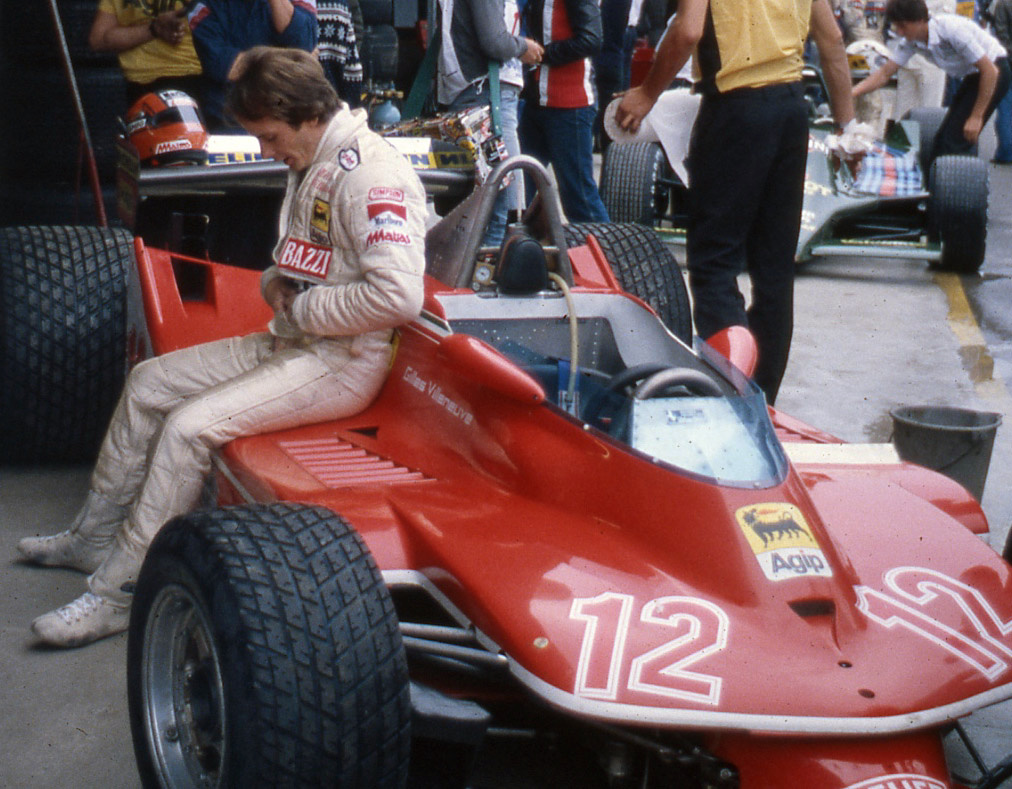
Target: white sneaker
x: 86, y: 619
x: 66, y: 549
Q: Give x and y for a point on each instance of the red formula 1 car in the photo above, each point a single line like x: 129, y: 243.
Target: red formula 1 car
x: 558, y: 524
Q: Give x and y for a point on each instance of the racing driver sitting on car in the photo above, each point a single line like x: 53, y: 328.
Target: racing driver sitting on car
x: 348, y: 269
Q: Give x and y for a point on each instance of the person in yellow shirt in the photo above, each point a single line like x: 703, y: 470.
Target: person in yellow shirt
x: 747, y: 155
x: 153, y: 43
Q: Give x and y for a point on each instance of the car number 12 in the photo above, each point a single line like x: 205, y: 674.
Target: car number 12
x: 699, y: 628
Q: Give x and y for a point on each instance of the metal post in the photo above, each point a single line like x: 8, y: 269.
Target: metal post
x: 68, y: 68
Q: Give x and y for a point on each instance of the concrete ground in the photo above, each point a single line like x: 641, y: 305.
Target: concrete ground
x: 871, y: 335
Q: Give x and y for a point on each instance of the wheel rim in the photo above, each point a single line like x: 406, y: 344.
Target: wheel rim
x: 182, y: 691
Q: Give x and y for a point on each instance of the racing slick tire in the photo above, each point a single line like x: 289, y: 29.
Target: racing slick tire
x: 929, y: 120
x: 62, y: 327
x: 632, y: 182
x: 264, y: 650
x: 957, y: 211
x: 644, y: 267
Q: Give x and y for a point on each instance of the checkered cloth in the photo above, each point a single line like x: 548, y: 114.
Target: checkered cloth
x: 889, y: 172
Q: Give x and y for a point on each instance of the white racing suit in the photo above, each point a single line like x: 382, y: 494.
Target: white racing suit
x: 352, y: 230
x: 865, y: 20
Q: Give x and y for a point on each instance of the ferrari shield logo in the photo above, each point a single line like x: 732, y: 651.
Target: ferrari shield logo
x: 321, y: 217
x: 782, y: 541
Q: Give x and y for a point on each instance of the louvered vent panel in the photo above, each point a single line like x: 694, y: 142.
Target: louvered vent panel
x: 337, y: 463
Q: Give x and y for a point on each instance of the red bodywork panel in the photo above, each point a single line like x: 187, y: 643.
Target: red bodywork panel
x: 225, y: 301
x: 623, y: 590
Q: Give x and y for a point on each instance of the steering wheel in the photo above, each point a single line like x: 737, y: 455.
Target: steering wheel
x: 657, y: 379
x: 677, y: 378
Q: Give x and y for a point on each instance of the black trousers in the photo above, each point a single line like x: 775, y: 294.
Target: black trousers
x: 950, y: 139
x: 746, y: 185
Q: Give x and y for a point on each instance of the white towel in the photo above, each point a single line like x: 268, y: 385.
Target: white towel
x: 669, y: 123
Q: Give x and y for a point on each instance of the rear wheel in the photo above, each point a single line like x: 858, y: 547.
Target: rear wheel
x: 644, y: 267
x: 957, y: 211
x: 264, y: 650
x: 62, y: 329
x: 633, y: 186
x: 929, y: 121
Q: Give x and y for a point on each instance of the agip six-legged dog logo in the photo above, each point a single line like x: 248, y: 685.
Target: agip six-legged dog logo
x: 782, y: 541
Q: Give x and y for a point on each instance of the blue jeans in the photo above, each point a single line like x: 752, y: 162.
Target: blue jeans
x: 1003, y: 128
x: 509, y: 98
x: 564, y: 139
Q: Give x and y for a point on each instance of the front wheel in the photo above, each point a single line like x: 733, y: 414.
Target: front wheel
x: 957, y: 211
x: 264, y: 651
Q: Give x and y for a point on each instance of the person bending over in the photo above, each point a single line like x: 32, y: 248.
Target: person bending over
x: 963, y: 50
x: 353, y: 202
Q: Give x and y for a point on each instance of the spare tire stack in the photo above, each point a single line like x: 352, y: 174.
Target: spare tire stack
x: 43, y: 169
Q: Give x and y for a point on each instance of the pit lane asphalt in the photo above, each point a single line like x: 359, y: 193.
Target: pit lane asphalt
x: 870, y: 335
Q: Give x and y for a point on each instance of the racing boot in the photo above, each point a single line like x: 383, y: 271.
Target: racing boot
x: 86, y: 619
x: 85, y: 544
x: 104, y: 610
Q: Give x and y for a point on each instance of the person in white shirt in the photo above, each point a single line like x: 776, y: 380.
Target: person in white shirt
x: 961, y: 49
x: 921, y: 83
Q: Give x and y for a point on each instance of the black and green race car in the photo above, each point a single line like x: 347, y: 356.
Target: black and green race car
x: 889, y: 205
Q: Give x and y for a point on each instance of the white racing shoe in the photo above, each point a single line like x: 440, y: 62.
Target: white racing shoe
x: 86, y: 619
x: 85, y: 544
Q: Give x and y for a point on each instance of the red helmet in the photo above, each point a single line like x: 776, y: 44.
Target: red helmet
x: 166, y: 128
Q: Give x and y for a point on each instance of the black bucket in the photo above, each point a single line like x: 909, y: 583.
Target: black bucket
x: 954, y: 441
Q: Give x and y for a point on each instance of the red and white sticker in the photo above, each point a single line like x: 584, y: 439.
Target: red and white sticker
x: 900, y: 781
x: 173, y: 145
x: 301, y: 257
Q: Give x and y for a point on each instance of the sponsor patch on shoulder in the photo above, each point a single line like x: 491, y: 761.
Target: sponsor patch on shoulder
x: 348, y: 159
x: 388, y: 217
x: 386, y: 193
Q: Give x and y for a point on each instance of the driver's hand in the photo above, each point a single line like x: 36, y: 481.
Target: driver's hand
x: 280, y: 294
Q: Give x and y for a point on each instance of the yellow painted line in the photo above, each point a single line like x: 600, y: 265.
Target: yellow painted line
x: 973, y: 347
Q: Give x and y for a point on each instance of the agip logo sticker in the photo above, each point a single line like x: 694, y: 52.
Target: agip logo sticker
x: 782, y: 541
